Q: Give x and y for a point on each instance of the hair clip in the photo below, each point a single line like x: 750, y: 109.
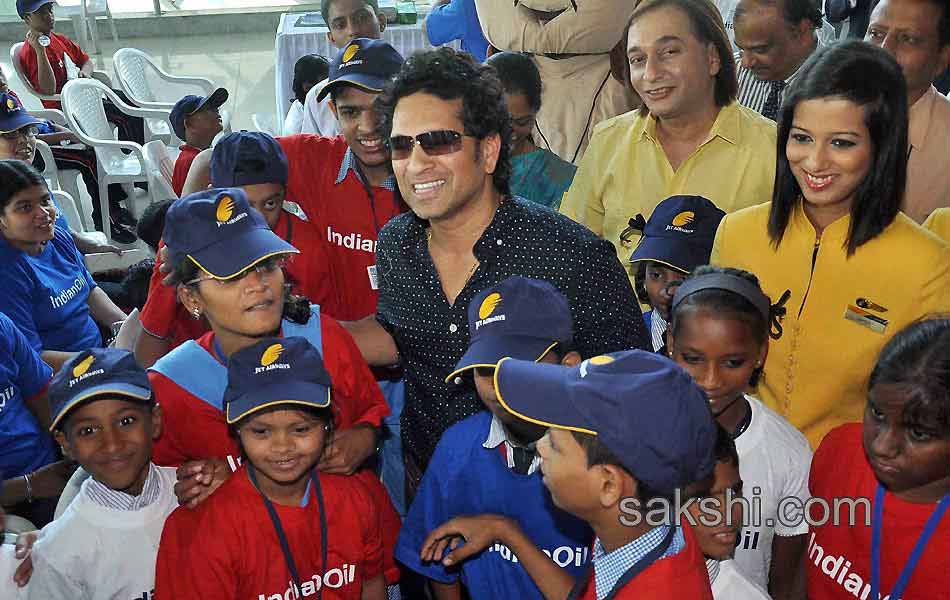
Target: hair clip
x: 777, y: 313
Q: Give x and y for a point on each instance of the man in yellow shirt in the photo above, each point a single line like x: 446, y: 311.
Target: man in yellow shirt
x: 690, y: 137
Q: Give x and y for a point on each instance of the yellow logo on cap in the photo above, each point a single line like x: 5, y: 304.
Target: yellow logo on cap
x: 271, y: 354
x: 683, y: 219
x: 350, y: 52
x: 489, y: 305
x: 603, y: 359
x: 11, y: 104
x: 225, y: 209
x: 80, y: 369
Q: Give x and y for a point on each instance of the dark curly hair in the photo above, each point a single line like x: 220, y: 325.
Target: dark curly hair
x: 309, y: 68
x: 451, y: 75
x: 519, y: 75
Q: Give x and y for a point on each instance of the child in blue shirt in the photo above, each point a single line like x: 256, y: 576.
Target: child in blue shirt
x: 487, y: 462
x: 677, y: 238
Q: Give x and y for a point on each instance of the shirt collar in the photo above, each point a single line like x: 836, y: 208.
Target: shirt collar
x: 726, y: 126
x: 610, y: 567
x: 498, y: 435
x: 920, y: 114
x: 658, y: 327
x: 349, y: 164
x: 712, y: 567
x: 109, y: 498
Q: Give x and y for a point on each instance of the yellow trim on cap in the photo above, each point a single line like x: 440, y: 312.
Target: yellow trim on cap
x: 527, y: 418
x: 458, y: 372
x: 232, y: 421
x: 365, y: 88
x: 95, y: 393
x: 664, y: 263
x: 233, y: 275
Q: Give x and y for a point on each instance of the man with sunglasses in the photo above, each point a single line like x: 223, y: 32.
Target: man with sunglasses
x: 450, y: 142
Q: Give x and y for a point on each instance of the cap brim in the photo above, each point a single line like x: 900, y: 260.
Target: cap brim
x: 125, y: 390
x: 367, y: 83
x: 298, y: 393
x: 229, y: 258
x: 538, y: 393
x: 19, y: 122
x: 488, y: 351
x: 679, y: 256
x: 215, y: 100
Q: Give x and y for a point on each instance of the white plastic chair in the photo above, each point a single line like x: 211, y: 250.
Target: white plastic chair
x: 70, y: 210
x: 18, y: 69
x: 82, y: 104
x: 161, y: 168
x: 149, y: 86
x: 65, y: 180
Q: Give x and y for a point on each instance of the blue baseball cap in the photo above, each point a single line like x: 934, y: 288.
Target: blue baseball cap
x: 13, y: 116
x: 25, y: 7
x: 364, y: 63
x: 520, y: 317
x: 273, y: 372
x: 220, y: 232
x: 191, y: 104
x: 248, y: 158
x: 680, y: 233
x: 93, y: 373
x: 643, y: 407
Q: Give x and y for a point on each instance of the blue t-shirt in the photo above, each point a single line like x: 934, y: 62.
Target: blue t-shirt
x: 457, y: 20
x: 465, y: 478
x: 24, y: 446
x: 47, y: 295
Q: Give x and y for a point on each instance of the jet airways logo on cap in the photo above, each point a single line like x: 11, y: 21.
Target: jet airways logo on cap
x: 350, y: 52
x: 488, y: 306
x: 269, y: 359
x: 81, y: 371
x: 681, y: 221
x: 596, y: 361
x: 225, y: 210
x: 11, y: 105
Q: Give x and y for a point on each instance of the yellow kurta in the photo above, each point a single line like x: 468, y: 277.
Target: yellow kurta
x: 939, y: 223
x: 625, y: 171
x: 816, y: 374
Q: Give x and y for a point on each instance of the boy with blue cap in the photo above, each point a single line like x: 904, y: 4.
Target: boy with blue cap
x: 487, y: 463
x: 627, y: 434
x: 278, y: 528
x: 676, y: 239
x: 195, y: 121
x: 104, y: 545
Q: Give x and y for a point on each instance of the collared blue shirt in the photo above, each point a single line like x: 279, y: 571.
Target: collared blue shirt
x: 610, y: 567
x: 349, y: 164
x: 457, y: 20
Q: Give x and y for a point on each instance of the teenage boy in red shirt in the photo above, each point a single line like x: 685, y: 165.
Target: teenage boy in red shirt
x: 626, y: 431
x: 195, y: 120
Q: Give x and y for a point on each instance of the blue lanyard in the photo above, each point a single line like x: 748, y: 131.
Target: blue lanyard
x: 877, y: 524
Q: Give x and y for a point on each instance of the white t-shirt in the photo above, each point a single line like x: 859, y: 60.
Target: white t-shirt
x: 730, y: 584
x: 774, y: 459
x: 317, y: 116
x: 294, y: 120
x: 727, y: 8
x: 96, y: 553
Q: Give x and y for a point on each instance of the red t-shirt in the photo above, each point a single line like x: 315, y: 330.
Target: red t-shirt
x: 227, y: 548
x: 839, y: 558
x: 308, y: 272
x: 683, y: 575
x: 59, y: 47
x: 343, y: 214
x: 182, y: 165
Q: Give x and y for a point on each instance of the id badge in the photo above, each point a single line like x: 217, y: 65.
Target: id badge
x: 865, y: 318
x: 373, y: 278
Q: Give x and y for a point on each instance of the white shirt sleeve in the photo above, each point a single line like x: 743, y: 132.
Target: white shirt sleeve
x: 796, y: 483
x: 317, y: 116
x: 294, y: 120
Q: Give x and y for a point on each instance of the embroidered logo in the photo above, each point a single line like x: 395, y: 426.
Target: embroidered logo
x: 682, y: 221
x: 596, y: 361
x: 350, y: 52
x: 80, y: 369
x: 225, y: 210
x: 487, y: 309
x: 11, y: 105
x: 271, y: 354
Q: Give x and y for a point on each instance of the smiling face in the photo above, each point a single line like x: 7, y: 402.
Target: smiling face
x: 718, y: 522
x: 19, y: 144
x: 670, y: 68
x: 522, y: 123
x: 830, y: 153
x: 359, y: 124
x: 657, y: 284
x: 771, y: 48
x: 112, y: 439
x: 911, y: 457
x: 284, y: 445
x: 438, y: 188
x: 29, y: 218
x: 908, y: 29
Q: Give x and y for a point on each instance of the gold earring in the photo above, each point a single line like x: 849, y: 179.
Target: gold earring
x: 196, y: 314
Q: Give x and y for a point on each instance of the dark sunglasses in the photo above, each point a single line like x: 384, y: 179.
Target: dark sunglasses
x: 435, y: 143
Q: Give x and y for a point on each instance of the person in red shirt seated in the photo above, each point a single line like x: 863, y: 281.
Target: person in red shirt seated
x: 195, y: 120
x: 627, y: 432
x: 894, y: 542
x: 227, y: 268
x: 279, y: 527
x: 254, y: 162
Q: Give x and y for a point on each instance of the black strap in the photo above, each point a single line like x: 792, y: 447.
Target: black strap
x: 282, y: 537
x: 639, y: 567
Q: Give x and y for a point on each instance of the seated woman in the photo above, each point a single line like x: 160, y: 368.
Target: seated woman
x: 47, y: 291
x: 309, y: 70
x: 537, y: 174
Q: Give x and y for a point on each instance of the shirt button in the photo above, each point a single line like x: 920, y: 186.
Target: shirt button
x: 453, y: 328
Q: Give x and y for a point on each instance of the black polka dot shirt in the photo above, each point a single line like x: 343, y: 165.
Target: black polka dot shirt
x: 523, y: 239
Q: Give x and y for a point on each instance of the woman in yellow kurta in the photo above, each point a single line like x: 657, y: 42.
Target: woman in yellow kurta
x: 857, y: 269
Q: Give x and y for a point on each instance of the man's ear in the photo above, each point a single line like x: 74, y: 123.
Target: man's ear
x: 571, y: 359
x: 490, y: 147
x: 613, y: 485
x: 60, y: 439
x: 715, y: 63
x: 157, y: 421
